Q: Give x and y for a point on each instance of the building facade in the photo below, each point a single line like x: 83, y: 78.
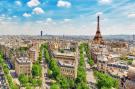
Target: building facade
x: 33, y: 54
x: 23, y: 66
x: 68, y: 64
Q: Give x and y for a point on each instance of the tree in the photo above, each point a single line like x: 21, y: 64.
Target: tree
x: 1, y: 59
x: 49, y: 72
x: 64, y: 83
x: 23, y: 48
x: 9, y: 78
x: 11, y: 84
x: 36, y: 70
x: 54, y: 72
x: 14, y: 86
x: 45, y: 46
x: 47, y: 56
x: 5, y: 68
x: 61, y: 50
x: 6, y: 71
x: 105, y: 81
x: 55, y: 68
x: 81, y: 72
x: 104, y: 88
x: 40, y: 56
x: 73, y: 49
x: 34, y: 82
x: 91, y: 62
x: 129, y: 61
x: 30, y: 79
x: 28, y: 87
x: 23, y: 79
x: 55, y: 86
x: 82, y: 85
x: 71, y: 83
x: 39, y: 82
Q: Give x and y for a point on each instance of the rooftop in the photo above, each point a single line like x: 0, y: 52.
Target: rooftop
x: 66, y: 64
x: 32, y: 49
x: 23, y: 60
x: 56, y: 53
x: 102, y: 58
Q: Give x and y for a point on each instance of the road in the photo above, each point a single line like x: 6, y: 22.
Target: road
x: 46, y: 78
x: 45, y: 85
x: 3, y: 82
x: 90, y: 77
x: 43, y: 79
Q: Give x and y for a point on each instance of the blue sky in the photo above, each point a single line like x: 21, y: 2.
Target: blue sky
x: 68, y: 17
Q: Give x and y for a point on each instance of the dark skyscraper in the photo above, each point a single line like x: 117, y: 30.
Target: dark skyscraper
x: 41, y: 33
x: 133, y: 37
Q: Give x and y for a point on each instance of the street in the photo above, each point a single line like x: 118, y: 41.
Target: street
x: 3, y: 83
x: 45, y: 84
x: 90, y: 77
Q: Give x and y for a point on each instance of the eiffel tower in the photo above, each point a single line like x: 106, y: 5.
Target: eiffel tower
x: 98, y: 37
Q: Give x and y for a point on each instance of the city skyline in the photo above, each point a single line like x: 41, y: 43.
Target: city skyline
x: 67, y: 44
x: 66, y: 17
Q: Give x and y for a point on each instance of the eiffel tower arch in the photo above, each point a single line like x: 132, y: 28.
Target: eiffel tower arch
x: 98, y: 39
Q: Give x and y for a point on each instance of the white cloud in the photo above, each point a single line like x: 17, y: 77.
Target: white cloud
x: 131, y: 15
x: 38, y: 10
x: 9, y: 18
x: 14, y: 16
x: 33, y: 3
x: 62, y: 3
x: 26, y: 15
x: 39, y: 22
x: 99, y: 13
x: 49, y: 20
x: 105, y: 1
x: 3, y: 16
x: 18, y: 3
x: 67, y: 20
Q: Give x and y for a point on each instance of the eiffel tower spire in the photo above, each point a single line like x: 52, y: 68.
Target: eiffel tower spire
x: 98, y: 37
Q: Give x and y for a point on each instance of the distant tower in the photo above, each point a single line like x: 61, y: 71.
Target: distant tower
x: 41, y: 33
x: 133, y: 39
x: 98, y: 37
x: 63, y: 36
